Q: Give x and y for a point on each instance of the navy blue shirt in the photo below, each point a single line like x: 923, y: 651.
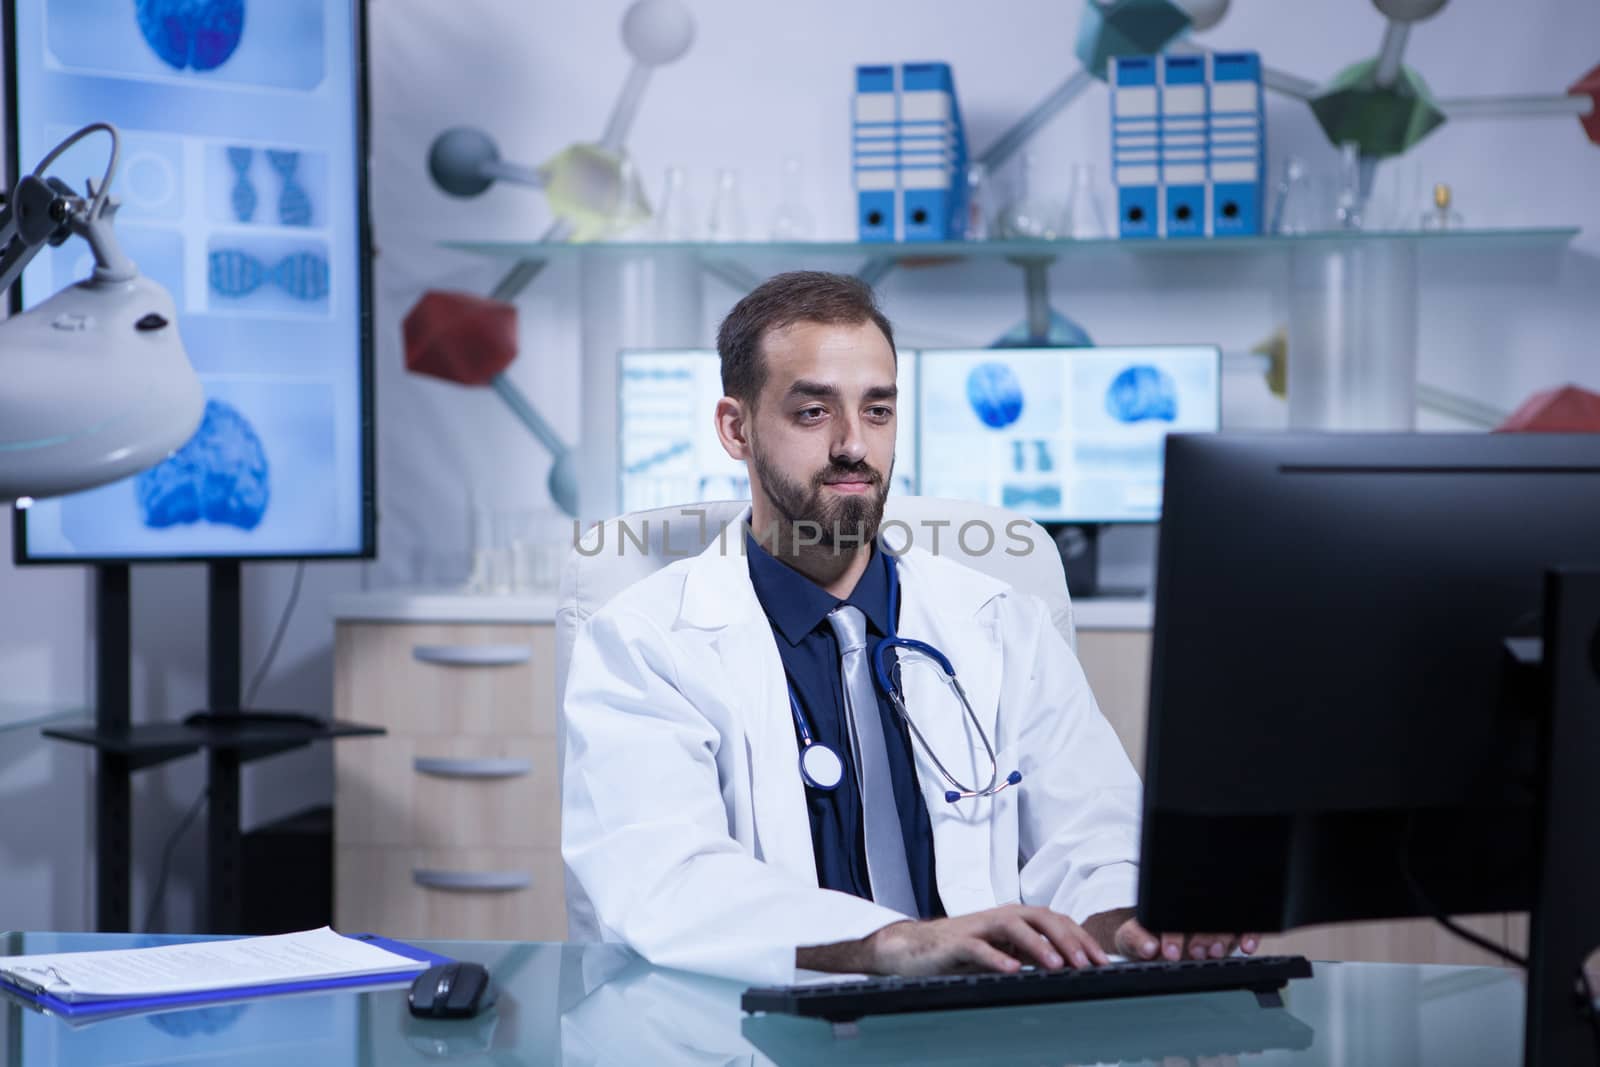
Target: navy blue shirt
x: 798, y: 610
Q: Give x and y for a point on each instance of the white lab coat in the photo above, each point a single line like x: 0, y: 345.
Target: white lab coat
x: 684, y: 822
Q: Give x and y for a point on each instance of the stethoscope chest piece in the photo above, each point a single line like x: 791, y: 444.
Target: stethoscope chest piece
x: 821, y: 767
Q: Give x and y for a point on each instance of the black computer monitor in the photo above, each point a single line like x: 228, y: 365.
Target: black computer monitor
x: 1338, y: 729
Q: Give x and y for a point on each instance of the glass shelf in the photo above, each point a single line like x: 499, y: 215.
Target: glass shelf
x: 1479, y: 240
x: 1349, y: 302
x: 23, y: 716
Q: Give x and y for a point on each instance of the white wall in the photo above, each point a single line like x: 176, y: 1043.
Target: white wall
x: 763, y: 81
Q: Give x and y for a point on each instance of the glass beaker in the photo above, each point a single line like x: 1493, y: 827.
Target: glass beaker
x: 792, y: 220
x: 977, y: 202
x: 1029, y: 213
x: 727, y: 209
x: 675, y: 220
x: 1295, y: 209
x: 1083, y: 219
x: 1351, y: 203
x: 1442, y: 216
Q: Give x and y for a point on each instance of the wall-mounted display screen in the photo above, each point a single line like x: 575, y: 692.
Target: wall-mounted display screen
x: 243, y: 191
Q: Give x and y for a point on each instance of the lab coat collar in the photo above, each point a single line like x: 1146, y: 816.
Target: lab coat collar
x: 717, y: 590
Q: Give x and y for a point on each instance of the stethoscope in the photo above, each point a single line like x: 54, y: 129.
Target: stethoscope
x: 820, y: 766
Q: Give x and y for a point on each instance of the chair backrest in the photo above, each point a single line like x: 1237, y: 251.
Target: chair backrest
x: 996, y: 547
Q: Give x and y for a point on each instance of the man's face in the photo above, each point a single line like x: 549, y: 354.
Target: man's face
x: 820, y: 444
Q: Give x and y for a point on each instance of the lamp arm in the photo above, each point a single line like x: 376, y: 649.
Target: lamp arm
x: 38, y: 213
x: 111, y: 264
x: 46, y: 211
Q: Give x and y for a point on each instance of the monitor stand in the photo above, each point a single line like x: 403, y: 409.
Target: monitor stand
x: 1565, y: 925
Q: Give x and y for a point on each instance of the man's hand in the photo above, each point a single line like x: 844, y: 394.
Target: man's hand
x: 1000, y: 939
x: 1137, y: 943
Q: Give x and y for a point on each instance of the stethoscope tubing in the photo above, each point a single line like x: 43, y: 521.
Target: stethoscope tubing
x: 882, y: 667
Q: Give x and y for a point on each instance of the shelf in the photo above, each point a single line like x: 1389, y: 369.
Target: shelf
x: 902, y: 252
x: 155, y: 743
x: 19, y: 717
x: 1348, y: 300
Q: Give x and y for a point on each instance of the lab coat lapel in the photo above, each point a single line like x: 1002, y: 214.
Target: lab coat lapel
x: 719, y: 598
x: 940, y: 605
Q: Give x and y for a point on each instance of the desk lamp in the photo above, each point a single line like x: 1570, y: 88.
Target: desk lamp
x: 94, y: 382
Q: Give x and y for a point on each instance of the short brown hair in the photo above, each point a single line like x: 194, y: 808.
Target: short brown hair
x: 782, y: 300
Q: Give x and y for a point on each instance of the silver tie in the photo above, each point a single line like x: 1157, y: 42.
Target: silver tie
x: 886, y: 847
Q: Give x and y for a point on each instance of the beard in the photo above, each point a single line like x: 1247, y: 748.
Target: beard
x: 808, y: 511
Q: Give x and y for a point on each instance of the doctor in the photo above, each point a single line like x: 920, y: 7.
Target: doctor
x: 694, y: 831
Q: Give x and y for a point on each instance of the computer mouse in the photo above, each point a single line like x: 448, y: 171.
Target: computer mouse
x: 457, y: 990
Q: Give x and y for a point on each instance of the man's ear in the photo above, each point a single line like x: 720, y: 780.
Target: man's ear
x: 733, y: 429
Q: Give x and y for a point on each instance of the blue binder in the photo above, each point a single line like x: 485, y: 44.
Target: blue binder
x: 874, y: 153
x: 1136, y: 145
x: 1237, y: 146
x: 1183, y: 145
x: 88, y: 1010
x: 932, y: 154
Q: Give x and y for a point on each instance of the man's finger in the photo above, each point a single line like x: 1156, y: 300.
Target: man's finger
x: 1035, y: 946
x: 1068, y: 935
x: 1206, y: 946
x: 1172, y: 946
x: 1223, y: 946
x: 1249, y: 943
x: 985, y: 957
x: 1134, y: 941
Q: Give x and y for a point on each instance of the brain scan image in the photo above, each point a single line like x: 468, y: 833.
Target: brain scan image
x: 1142, y: 392
x: 995, y: 394
x: 220, y: 476
x: 198, y: 34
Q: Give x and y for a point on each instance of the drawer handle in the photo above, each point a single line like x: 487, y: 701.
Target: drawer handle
x: 472, y: 655
x: 473, y: 881
x: 444, y: 767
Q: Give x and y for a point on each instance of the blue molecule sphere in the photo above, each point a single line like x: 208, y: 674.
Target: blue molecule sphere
x: 191, y: 33
x: 1142, y: 392
x: 995, y: 394
x: 219, y: 476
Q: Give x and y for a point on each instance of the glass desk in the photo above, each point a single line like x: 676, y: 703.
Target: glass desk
x: 571, y: 1004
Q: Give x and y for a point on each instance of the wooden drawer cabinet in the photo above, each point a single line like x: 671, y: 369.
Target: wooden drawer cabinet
x: 432, y: 678
x: 443, y: 791
x: 490, y: 894
x: 450, y: 825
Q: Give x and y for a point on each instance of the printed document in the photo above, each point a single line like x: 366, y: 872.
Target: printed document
x: 203, y: 966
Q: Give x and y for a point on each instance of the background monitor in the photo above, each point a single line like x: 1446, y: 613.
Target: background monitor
x: 1335, y: 729
x: 242, y: 182
x: 1070, y: 435
x: 668, y: 444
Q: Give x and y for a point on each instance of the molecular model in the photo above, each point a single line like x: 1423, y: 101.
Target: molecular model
x: 593, y: 190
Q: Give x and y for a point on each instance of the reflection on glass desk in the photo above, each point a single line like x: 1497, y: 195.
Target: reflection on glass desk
x: 597, y: 1004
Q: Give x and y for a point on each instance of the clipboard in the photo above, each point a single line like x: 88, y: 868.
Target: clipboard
x: 93, y: 1010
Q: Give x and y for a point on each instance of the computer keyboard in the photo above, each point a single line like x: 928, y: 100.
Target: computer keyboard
x: 846, y: 1001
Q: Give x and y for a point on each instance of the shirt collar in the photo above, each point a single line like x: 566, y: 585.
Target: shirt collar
x: 797, y: 605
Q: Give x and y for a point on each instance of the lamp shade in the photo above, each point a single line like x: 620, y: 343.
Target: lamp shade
x: 94, y: 386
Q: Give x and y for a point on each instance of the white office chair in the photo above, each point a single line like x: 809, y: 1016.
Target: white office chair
x: 588, y: 582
